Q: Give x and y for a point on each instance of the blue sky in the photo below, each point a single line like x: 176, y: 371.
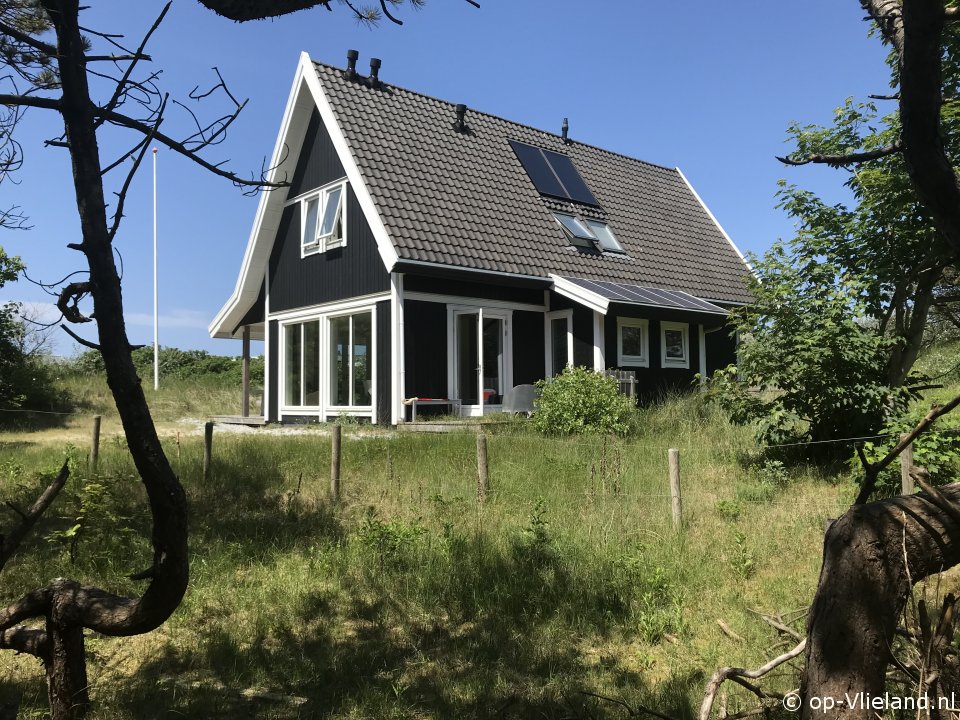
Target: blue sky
x: 679, y: 84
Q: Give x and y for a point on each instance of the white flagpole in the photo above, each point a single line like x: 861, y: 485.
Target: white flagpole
x: 156, y: 324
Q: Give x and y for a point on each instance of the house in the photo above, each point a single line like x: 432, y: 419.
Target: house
x: 424, y: 249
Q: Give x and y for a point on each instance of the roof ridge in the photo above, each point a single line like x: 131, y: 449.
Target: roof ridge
x: 512, y: 122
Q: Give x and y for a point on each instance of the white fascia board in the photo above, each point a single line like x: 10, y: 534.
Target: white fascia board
x: 592, y: 300
x: 384, y: 245
x: 286, y: 152
x: 714, y: 219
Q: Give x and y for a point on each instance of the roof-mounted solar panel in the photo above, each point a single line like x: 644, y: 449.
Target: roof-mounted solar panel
x: 553, y: 174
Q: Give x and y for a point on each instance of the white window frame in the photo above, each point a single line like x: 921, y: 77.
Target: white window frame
x: 299, y: 408
x: 666, y: 362
x: 351, y: 409
x: 326, y: 409
x: 548, y: 339
x: 633, y: 360
x: 322, y: 195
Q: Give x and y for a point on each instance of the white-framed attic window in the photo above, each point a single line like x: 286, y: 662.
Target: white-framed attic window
x: 323, y: 219
x: 674, y: 345
x: 633, y: 342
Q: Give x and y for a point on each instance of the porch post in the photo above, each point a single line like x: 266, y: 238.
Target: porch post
x: 599, y: 362
x: 397, y: 364
x: 703, y: 355
x: 245, y: 371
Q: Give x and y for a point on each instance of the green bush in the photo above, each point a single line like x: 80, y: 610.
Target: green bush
x: 178, y: 364
x: 582, y: 401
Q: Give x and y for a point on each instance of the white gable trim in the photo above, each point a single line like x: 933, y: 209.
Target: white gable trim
x: 305, y: 95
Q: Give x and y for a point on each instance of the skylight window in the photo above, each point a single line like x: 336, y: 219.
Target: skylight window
x: 553, y: 174
x: 604, y: 235
x: 578, y: 233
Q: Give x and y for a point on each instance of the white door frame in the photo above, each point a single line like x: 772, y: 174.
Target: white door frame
x: 548, y: 319
x: 506, y: 316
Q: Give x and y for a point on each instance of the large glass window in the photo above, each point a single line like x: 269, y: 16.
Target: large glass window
x: 351, y: 373
x: 632, y: 342
x: 301, y: 364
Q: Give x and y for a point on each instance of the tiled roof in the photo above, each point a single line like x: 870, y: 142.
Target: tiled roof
x: 464, y: 199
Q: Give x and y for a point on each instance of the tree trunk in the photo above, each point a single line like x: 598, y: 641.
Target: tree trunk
x: 66, y: 665
x: 871, y: 557
x: 904, y: 356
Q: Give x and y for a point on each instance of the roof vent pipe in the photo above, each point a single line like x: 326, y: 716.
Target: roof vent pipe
x: 351, y: 72
x: 460, y: 125
x: 565, y: 128
x: 374, y: 70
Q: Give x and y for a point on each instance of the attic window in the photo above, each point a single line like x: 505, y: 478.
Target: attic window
x: 578, y: 233
x: 605, y: 237
x: 322, y: 219
x: 553, y: 174
x: 588, y: 233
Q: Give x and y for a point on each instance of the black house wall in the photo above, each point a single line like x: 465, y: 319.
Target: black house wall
x: 350, y: 271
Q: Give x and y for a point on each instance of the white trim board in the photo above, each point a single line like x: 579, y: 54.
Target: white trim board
x: 468, y: 300
x: 330, y: 307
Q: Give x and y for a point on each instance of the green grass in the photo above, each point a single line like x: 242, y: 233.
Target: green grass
x: 408, y: 600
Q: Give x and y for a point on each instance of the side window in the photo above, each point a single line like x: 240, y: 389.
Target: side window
x: 675, y: 344
x: 633, y: 342
x: 322, y: 220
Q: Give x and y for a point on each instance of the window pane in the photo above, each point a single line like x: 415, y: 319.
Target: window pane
x: 292, y: 374
x: 673, y: 342
x: 340, y: 361
x: 362, y: 342
x: 632, y: 338
x: 311, y: 363
x: 574, y: 226
x: 310, y: 221
x: 331, y: 212
x: 467, y: 358
x: 558, y: 337
x: 492, y: 361
x: 605, y: 236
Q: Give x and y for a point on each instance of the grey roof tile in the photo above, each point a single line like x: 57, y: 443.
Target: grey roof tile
x: 465, y: 199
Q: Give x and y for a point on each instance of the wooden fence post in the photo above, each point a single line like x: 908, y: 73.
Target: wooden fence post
x: 673, y: 456
x: 335, y: 463
x: 95, y: 444
x: 207, y: 448
x: 906, y: 463
x: 483, y: 478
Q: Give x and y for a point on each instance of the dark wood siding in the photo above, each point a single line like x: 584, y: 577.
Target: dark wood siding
x: 318, y: 163
x: 383, y: 352
x: 655, y: 381
x: 485, y: 290
x: 528, y: 349
x: 425, y: 343
x: 350, y: 271
x: 274, y: 355
x: 721, y: 349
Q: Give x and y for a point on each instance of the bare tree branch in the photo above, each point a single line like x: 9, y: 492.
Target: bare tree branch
x: 841, y: 160
x: 10, y: 542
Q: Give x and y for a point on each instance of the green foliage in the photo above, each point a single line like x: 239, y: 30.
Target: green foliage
x: 937, y: 450
x: 25, y: 378
x: 812, y: 367
x: 582, y: 401
x: 178, y: 365
x: 741, y: 558
x: 729, y: 509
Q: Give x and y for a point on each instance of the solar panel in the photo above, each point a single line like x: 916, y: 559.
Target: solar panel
x: 577, y: 189
x: 534, y: 162
x: 651, y: 297
x: 553, y: 174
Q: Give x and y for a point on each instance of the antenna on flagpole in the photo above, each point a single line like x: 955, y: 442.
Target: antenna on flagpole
x: 156, y: 324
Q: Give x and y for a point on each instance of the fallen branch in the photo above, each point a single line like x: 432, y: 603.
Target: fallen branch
x: 737, y: 675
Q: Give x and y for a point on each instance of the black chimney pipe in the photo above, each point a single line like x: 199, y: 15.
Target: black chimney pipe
x: 565, y: 130
x: 374, y: 70
x: 351, y: 72
x: 460, y: 125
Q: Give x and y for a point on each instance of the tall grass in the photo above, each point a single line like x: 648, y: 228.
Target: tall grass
x: 408, y: 599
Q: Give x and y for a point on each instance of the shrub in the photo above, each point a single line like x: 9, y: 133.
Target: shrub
x: 582, y: 401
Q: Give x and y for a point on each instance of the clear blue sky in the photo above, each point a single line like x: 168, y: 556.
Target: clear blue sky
x: 708, y: 88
